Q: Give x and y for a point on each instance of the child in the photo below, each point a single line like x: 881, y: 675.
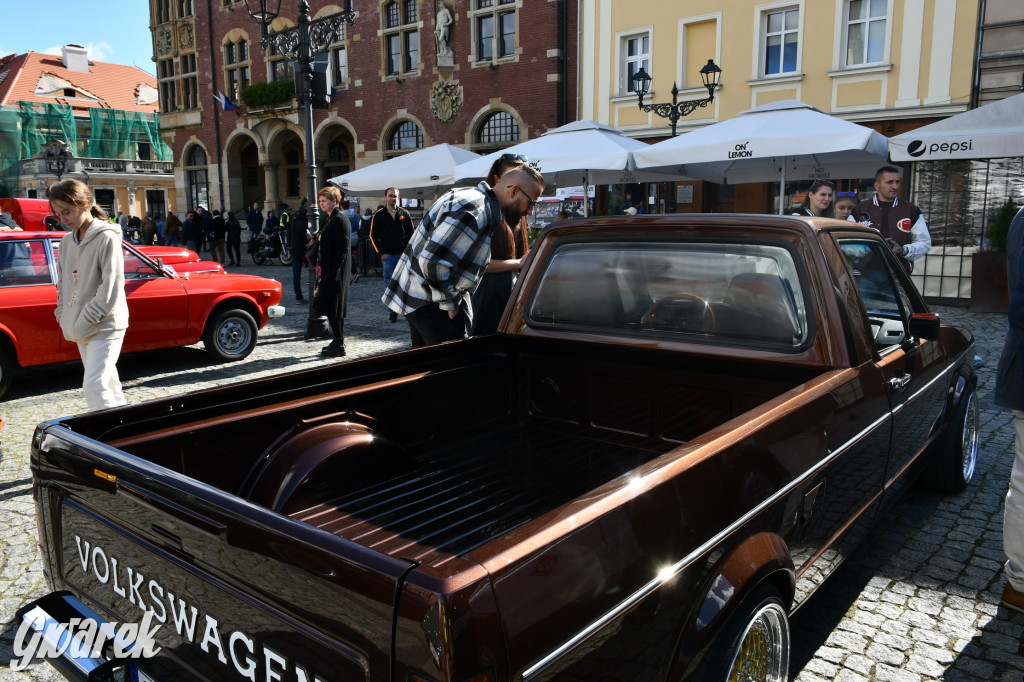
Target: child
x: 91, y: 305
x: 844, y: 206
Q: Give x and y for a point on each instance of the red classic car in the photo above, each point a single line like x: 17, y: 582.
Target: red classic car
x: 170, y: 304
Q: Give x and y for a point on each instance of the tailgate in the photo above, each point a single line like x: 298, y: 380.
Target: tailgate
x: 238, y: 592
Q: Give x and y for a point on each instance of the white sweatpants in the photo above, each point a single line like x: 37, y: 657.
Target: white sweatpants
x: 101, y: 384
x: 1013, y: 514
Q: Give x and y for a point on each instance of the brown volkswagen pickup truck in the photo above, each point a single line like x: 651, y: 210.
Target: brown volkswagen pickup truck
x: 685, y: 425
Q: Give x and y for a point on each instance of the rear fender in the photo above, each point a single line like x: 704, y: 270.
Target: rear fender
x: 758, y: 558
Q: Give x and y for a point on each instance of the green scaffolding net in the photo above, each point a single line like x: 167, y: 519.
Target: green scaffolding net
x: 106, y: 134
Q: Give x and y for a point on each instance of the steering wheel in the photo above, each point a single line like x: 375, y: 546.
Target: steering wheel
x: 690, y: 313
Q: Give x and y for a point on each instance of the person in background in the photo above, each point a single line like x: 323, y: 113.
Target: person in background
x: 331, y: 292
x: 1010, y: 394
x: 900, y: 222
x: 172, y: 229
x: 271, y: 224
x: 160, y: 229
x: 188, y: 232
x: 92, y: 308
x: 254, y: 221
x: 509, y: 245
x: 298, y: 241
x: 818, y: 202
x: 440, y: 269
x: 845, y: 204
x: 148, y: 230
x: 122, y: 221
x: 390, y: 230
x: 202, y: 223
x: 218, y: 232
x: 233, y: 238
x: 627, y: 203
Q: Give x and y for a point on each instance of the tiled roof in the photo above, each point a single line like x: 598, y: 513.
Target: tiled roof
x: 31, y: 76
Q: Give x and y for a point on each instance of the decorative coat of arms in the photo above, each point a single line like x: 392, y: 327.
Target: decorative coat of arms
x: 445, y: 100
x: 163, y: 40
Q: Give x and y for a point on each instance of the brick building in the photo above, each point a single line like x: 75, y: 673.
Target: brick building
x: 504, y: 73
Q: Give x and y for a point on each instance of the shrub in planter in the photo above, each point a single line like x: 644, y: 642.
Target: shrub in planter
x: 265, y: 95
x: 1000, y: 227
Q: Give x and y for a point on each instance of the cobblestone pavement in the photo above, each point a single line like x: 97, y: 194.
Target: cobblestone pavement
x: 921, y: 602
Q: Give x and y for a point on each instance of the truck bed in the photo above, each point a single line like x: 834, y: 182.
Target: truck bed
x: 461, y: 496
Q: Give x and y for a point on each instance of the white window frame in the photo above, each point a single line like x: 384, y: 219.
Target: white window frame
x: 762, y: 13
x: 886, y: 19
x: 625, y: 84
x: 496, y: 10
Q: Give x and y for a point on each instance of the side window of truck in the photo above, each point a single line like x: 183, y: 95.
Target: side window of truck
x: 721, y: 293
x: 885, y: 299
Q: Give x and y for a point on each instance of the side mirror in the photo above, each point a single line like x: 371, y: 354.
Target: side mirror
x: 924, y: 325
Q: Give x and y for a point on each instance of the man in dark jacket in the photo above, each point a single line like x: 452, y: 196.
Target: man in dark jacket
x: 390, y: 230
x: 298, y: 242
x: 254, y: 221
x: 1010, y: 394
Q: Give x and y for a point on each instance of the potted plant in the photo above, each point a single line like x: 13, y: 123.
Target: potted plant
x: 989, y: 289
x: 263, y: 96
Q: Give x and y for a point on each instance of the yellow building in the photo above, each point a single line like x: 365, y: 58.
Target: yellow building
x: 893, y: 65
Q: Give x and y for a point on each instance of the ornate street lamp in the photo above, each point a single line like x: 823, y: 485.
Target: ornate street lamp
x: 56, y: 156
x: 302, y: 43
x: 710, y: 75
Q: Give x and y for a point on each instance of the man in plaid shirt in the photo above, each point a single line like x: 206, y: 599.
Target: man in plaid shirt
x: 445, y: 259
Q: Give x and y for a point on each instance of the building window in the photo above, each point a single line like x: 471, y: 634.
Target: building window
x: 163, y: 11
x: 401, y: 37
x: 189, y: 81
x: 338, y: 160
x: 144, y: 151
x: 405, y: 137
x: 293, y: 170
x: 499, y: 130
x: 196, y: 183
x: 636, y: 55
x: 236, y: 68
x: 185, y: 8
x: 167, y: 80
x: 780, y: 38
x: 280, y: 68
x: 495, y: 24
x: 339, y: 66
x: 865, y: 31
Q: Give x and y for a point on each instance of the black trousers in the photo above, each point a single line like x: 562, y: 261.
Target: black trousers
x: 429, y: 325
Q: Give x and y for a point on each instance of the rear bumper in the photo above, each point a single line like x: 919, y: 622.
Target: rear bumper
x: 275, y: 311
x: 72, y: 638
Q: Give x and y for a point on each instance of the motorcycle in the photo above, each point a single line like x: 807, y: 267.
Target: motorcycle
x: 270, y: 245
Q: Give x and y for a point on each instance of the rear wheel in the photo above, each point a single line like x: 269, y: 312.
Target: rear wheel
x: 230, y: 335
x: 754, y: 645
x: 952, y: 466
x: 258, y: 257
x: 6, y: 371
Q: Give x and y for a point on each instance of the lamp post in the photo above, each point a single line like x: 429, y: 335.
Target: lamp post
x: 56, y: 156
x: 710, y: 75
x: 302, y: 43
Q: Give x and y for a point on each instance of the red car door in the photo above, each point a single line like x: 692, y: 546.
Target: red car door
x: 28, y: 298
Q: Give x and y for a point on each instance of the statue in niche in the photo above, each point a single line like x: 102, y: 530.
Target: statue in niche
x: 442, y: 33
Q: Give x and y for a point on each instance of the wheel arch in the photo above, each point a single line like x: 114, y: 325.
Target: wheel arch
x: 757, y: 560
x: 233, y: 302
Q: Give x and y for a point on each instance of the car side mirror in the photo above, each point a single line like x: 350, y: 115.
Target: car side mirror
x: 923, y: 326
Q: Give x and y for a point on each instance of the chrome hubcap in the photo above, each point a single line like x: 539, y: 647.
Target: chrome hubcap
x: 233, y: 335
x: 763, y: 653
x: 969, y: 438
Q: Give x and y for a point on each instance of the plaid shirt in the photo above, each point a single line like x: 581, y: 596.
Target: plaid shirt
x: 445, y: 259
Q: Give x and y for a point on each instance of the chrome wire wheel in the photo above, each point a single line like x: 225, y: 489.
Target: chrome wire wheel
x: 969, y: 437
x: 763, y: 651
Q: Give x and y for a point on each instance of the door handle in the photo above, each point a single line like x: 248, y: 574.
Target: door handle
x: 899, y: 383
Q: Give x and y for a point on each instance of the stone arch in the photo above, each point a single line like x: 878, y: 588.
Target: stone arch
x: 388, y: 129
x: 245, y: 178
x: 335, y: 143
x: 195, y: 168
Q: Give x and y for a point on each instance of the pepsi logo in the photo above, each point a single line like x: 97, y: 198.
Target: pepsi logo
x: 916, y: 148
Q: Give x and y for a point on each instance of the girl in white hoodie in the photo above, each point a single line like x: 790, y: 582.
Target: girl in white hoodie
x: 91, y: 306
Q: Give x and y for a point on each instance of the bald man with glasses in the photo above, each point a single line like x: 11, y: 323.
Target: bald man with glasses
x: 390, y: 230
x: 448, y: 252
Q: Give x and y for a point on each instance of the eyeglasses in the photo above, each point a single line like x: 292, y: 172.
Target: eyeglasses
x: 533, y: 202
x: 846, y: 194
x: 513, y: 158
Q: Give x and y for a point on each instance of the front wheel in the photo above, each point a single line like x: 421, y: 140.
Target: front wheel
x: 286, y: 258
x: 753, y: 645
x: 230, y: 335
x: 952, y: 466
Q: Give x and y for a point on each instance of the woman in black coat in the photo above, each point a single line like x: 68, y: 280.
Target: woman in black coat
x: 331, y: 294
